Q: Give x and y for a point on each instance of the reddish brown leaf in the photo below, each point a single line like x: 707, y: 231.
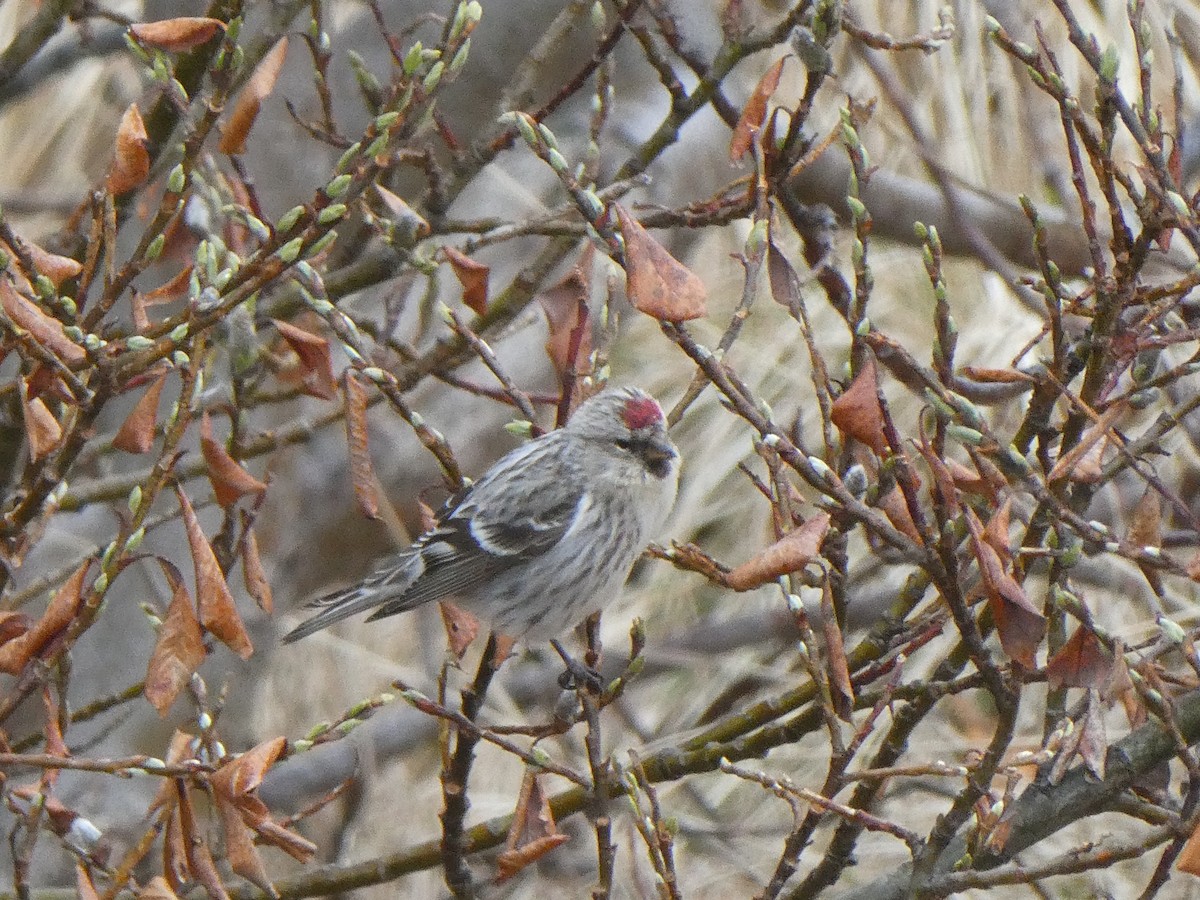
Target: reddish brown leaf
x: 402, y: 214
x: 174, y: 35
x: 1090, y: 468
x: 858, y: 413
x: 461, y: 627
x: 754, y: 113
x: 253, y: 574
x: 136, y: 434
x: 1067, y: 461
x: 533, y: 832
x: 173, y: 289
x: 785, y: 283
x: 362, y: 472
x: 565, y: 306
x: 131, y: 161
x: 43, y: 328
x: 1189, y: 857
x: 175, y: 864
x: 218, y: 613
x: 839, y: 669
x: 59, y: 614
x: 656, y: 282
x: 57, y: 268
x: 997, y: 376
x: 895, y: 507
x: 316, y: 360
x: 13, y: 624
x: 473, y: 276
x: 792, y: 552
x: 968, y: 480
x: 85, y: 889
x: 258, y: 88
x: 1145, y: 525
x: 42, y: 430
x: 1093, y: 742
x: 179, y: 650
x: 239, y: 846
x: 996, y: 532
x: 195, y: 842
x: 1082, y: 662
x: 229, y: 480
x: 54, y: 745
x: 1019, y: 624
x: 157, y: 889
x: 942, y: 477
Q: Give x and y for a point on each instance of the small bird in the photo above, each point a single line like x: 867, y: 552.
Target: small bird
x: 545, y: 538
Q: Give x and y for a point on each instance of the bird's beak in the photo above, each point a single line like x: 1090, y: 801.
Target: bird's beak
x: 657, y: 456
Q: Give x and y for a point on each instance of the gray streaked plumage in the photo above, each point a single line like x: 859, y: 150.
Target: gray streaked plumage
x: 546, y: 537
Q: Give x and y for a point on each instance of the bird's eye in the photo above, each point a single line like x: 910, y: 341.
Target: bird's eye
x: 624, y: 443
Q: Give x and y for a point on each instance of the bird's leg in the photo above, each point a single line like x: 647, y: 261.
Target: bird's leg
x: 577, y: 674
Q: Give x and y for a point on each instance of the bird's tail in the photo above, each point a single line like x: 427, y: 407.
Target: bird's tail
x: 390, y: 580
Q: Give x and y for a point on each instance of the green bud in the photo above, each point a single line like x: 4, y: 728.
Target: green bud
x: 45, y: 287
x: 179, y: 332
x: 1109, y: 63
x: 521, y: 428
x: 460, y: 58
x: 180, y: 359
x: 322, y: 242
x: 434, y: 76
x: 135, y: 540
x: 412, y: 59
x: 858, y: 209
x: 337, y: 185
x: 135, y: 498
x: 344, y: 160
x: 331, y: 213
x: 100, y: 585
x: 138, y: 342
x: 1179, y: 205
x: 177, y: 180
x: 291, y: 250
x: 1171, y: 631
x: 377, y: 146
x: 155, y: 248
x: 383, y: 121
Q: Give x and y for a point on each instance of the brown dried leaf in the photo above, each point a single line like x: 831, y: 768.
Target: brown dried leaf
x: 239, y: 846
x: 362, y: 472
x: 565, y: 306
x: 258, y: 88
x: 942, y: 478
x: 754, y: 113
x: 131, y: 160
x: 792, y: 552
x: 839, y: 669
x: 1193, y: 567
x: 195, y: 842
x: 180, y: 647
x: 175, y: 865
x: 136, y: 434
x: 174, y: 35
x: 533, y: 832
x: 968, y: 480
x: 401, y: 213
x: 461, y: 627
x: 1189, y: 857
x: 858, y: 413
x: 240, y: 776
x: 997, y: 376
x: 173, y: 289
x: 1090, y: 469
x: 895, y: 507
x: 316, y: 360
x: 996, y: 532
x: 59, y: 614
x: 157, y: 889
x: 473, y: 276
x: 54, y: 743
x: 13, y: 624
x: 1067, y: 462
x: 42, y: 430
x: 1145, y: 525
x: 57, y: 268
x: 657, y: 283
x: 85, y: 889
x: 229, y: 480
x: 1019, y: 624
x: 218, y: 613
x: 44, y: 329
x: 1082, y: 662
x: 253, y: 574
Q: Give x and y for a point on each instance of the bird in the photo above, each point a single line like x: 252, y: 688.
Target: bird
x: 546, y: 537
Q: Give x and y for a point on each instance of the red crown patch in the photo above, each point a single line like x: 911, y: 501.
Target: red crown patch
x: 641, y: 412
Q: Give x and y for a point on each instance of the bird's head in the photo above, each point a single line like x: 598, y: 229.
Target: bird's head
x: 629, y: 423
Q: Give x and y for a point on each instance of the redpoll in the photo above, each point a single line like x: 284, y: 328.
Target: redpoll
x: 546, y: 537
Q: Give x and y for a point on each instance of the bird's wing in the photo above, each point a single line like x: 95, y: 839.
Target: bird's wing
x: 483, y: 531
x: 496, y: 526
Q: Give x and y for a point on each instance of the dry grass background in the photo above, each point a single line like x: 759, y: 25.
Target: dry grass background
x: 708, y: 649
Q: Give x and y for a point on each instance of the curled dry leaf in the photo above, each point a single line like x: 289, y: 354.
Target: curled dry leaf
x: 858, y: 413
x: 754, y: 113
x: 565, y: 306
x: 131, y: 161
x: 1068, y: 461
x: 136, y: 434
x: 57, y: 268
x: 656, y: 282
x: 895, y: 507
x: 362, y: 472
x: 785, y: 283
x: 835, y: 650
x: 461, y: 627
x: 59, y: 614
x: 175, y: 35
x: 179, y: 650
x: 1019, y: 623
x: 253, y: 574
x: 200, y: 864
x: 1189, y: 857
x: 473, y: 276
x: 42, y: 430
x: 13, y: 624
x: 238, y: 780
x: 408, y: 220
x: 218, y: 613
x: 533, y: 832
x: 229, y: 480
x: 243, y: 856
x: 44, y: 329
x: 258, y: 88
x: 316, y: 360
x: 792, y: 552
x: 1082, y: 662
x: 170, y: 290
